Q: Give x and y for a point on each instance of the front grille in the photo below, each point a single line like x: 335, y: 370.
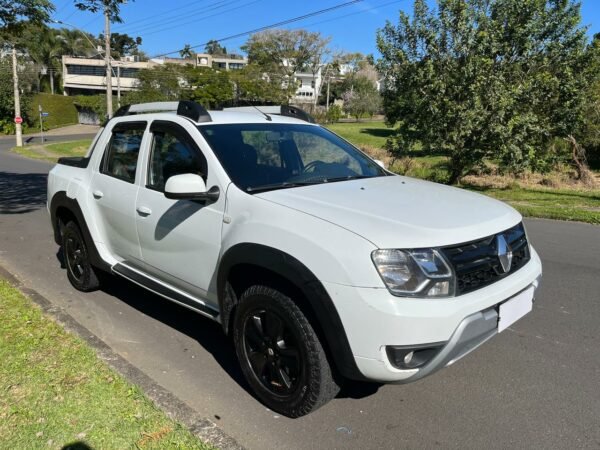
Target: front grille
x: 476, y: 264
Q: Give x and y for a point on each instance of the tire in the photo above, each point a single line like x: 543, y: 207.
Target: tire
x: 80, y: 271
x: 280, y: 353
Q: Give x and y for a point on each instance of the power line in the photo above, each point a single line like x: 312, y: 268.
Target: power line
x: 266, y: 27
x: 205, y: 17
x: 152, y: 20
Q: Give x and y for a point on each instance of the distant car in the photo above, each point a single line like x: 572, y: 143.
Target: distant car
x: 322, y: 265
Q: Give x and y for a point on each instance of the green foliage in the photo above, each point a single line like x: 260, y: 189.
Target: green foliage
x: 14, y: 14
x: 95, y: 103
x: 479, y: 79
x: 187, y: 52
x: 122, y: 44
x: 282, y: 53
x: 361, y: 99
x: 61, y: 111
x: 213, y: 47
x: 100, y: 6
x: 209, y: 87
x: 333, y: 114
x: 7, y: 100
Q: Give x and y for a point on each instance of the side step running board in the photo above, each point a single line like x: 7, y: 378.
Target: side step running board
x: 165, y: 291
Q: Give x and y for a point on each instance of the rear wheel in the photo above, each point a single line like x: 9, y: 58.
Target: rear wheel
x: 80, y: 271
x: 280, y: 353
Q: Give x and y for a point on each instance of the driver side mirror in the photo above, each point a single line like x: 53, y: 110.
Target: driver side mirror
x: 189, y: 186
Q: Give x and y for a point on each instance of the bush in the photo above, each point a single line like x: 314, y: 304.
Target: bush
x: 61, y: 111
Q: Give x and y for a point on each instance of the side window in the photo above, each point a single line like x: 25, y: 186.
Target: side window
x: 172, y: 154
x: 120, y: 158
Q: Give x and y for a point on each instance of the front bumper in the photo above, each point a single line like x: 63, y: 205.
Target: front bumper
x: 374, y: 320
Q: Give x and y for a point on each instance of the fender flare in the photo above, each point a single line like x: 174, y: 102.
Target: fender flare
x: 302, y: 278
x: 61, y: 200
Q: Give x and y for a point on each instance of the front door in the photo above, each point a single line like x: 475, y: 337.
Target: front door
x: 180, y: 239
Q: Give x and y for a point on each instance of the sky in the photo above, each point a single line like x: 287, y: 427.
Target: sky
x: 167, y: 25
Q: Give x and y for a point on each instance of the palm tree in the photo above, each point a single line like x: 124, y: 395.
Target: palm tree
x: 75, y: 43
x: 187, y: 52
x: 45, y: 50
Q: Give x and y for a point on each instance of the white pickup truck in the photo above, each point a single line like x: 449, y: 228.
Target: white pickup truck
x: 322, y: 265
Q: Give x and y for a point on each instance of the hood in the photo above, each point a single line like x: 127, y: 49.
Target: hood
x: 400, y: 212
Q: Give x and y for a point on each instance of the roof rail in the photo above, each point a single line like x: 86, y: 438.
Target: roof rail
x: 279, y: 110
x: 185, y: 108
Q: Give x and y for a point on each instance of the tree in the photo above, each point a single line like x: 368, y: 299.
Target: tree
x: 282, y: 53
x: 45, y: 49
x: 122, y: 44
x: 361, y: 98
x: 186, y: 52
x: 483, y: 79
x: 213, y: 47
x: 13, y: 14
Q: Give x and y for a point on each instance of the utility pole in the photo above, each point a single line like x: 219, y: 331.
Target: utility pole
x: 109, y: 105
x: 118, y: 86
x: 18, y: 127
x: 328, y: 80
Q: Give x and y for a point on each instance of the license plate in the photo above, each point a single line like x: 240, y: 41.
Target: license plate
x: 515, y: 308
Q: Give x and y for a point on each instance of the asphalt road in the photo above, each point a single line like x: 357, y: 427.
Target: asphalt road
x: 536, y: 385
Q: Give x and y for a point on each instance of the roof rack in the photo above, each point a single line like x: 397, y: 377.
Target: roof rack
x: 279, y: 110
x: 185, y: 108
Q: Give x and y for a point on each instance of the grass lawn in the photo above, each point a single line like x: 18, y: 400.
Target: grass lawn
x: 562, y: 204
x: 51, y: 152
x: 54, y: 391
x: 373, y: 134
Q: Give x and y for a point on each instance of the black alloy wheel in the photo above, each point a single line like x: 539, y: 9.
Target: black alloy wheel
x: 271, y: 349
x: 280, y: 353
x: 80, y: 271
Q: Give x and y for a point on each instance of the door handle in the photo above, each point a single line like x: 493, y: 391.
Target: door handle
x: 143, y: 210
x: 97, y: 194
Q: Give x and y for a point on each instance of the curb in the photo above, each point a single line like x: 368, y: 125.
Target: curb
x: 201, y: 427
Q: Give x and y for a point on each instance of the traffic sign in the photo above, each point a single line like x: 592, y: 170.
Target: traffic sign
x: 45, y: 114
x: 18, y: 119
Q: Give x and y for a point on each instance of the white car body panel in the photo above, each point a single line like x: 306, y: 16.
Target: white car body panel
x: 331, y: 228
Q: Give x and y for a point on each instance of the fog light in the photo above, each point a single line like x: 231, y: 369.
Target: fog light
x: 412, y: 357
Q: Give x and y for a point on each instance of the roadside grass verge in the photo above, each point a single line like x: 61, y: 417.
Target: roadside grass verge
x: 51, y: 152
x: 548, y: 203
x: 55, y: 392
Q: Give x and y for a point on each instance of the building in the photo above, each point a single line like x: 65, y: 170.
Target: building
x: 309, y: 86
x: 224, y: 62
x: 88, y: 75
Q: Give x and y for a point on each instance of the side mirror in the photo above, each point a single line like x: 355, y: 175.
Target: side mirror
x: 380, y: 163
x: 189, y: 186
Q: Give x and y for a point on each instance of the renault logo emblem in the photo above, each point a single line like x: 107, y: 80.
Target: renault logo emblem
x: 504, y: 253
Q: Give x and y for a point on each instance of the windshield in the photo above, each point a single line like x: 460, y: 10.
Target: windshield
x: 261, y: 157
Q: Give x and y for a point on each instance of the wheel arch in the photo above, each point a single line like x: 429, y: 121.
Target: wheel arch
x: 248, y: 263
x: 63, y: 209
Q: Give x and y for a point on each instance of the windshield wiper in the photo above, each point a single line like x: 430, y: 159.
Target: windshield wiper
x: 349, y: 177
x: 284, y: 185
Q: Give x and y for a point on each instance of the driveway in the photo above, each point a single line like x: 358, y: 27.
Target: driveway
x: 536, y: 385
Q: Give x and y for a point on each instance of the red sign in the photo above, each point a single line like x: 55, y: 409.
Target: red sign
x: 18, y: 119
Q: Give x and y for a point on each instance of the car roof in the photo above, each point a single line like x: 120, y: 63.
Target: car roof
x: 218, y: 118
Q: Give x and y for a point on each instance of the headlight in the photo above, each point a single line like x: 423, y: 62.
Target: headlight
x: 414, y: 273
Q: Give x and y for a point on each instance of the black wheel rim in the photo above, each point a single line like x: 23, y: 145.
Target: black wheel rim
x: 272, y: 352
x: 75, y: 254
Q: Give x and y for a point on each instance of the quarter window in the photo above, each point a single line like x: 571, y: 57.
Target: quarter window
x: 121, y: 157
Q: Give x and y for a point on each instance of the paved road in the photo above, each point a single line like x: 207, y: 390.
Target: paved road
x: 536, y: 385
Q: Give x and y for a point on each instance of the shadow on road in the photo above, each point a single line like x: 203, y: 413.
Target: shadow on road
x: 22, y: 192
x: 207, y: 333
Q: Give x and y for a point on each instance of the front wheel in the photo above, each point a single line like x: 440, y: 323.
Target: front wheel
x: 80, y: 271
x: 280, y: 353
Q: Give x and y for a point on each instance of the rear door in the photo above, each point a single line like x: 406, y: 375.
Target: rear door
x: 180, y: 240
x: 114, y: 190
